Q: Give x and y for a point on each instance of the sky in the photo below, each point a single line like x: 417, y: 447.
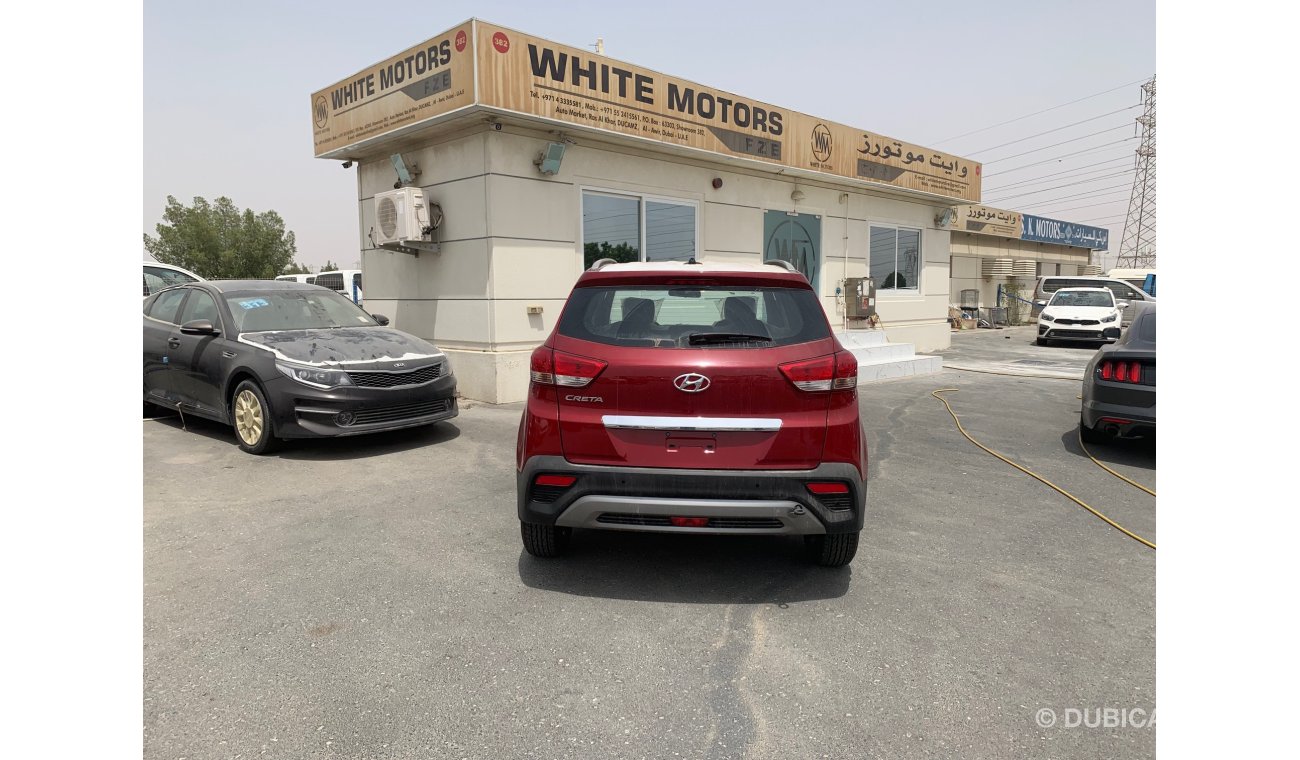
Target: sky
x: 227, y: 86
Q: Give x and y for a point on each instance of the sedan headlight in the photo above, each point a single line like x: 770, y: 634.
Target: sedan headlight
x: 316, y: 377
x: 1111, y: 318
x: 1047, y: 317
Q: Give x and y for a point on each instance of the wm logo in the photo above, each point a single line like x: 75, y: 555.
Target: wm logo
x: 821, y: 143
x: 320, y: 111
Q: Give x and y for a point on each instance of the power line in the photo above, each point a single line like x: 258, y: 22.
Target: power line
x: 1045, y: 110
x: 1063, y: 142
x: 1114, y: 217
x: 1065, y: 172
x: 1048, y: 132
x: 1065, y: 155
x: 1060, y: 187
x: 1077, y: 195
x: 1090, y: 205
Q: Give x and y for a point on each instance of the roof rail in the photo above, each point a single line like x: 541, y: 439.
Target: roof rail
x: 600, y: 264
x: 781, y: 263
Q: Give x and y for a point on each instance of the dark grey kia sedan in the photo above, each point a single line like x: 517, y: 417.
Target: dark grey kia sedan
x: 281, y: 360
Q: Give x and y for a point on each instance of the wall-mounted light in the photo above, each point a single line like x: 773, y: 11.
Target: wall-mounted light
x: 549, y: 160
x: 717, y: 183
x: 797, y: 196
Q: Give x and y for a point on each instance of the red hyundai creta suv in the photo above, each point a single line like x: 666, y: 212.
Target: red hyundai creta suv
x: 693, y: 398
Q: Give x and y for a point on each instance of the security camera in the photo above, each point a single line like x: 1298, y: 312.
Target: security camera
x: 497, y: 126
x: 347, y: 164
x: 397, y: 185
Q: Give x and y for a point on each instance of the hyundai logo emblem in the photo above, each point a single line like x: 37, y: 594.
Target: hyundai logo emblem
x: 691, y: 382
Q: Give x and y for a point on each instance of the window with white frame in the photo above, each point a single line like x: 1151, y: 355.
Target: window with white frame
x: 895, y: 259
x: 637, y: 228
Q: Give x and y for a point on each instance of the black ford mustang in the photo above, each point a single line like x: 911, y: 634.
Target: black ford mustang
x: 1119, y: 386
x: 288, y: 360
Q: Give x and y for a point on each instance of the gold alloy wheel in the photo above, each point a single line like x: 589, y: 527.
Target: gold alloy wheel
x: 248, y: 417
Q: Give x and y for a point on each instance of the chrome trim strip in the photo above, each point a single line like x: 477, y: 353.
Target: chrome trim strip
x: 795, y: 519
x: 697, y: 424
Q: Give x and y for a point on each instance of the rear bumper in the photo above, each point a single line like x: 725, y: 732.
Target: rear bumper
x: 1127, y: 421
x: 736, y: 501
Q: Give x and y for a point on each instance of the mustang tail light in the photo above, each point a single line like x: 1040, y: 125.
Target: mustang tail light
x: 1120, y: 371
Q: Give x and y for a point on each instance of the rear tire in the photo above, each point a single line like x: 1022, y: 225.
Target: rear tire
x: 544, y: 540
x: 1090, y: 435
x: 252, y: 420
x: 834, y: 550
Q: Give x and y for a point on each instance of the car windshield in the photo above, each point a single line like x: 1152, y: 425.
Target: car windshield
x: 260, y: 311
x: 1082, y: 298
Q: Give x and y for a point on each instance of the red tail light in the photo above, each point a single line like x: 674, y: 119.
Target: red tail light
x: 689, y: 522
x: 549, y: 367
x: 821, y: 489
x: 559, y: 481
x: 846, y: 370
x: 811, y: 374
x: 1120, y: 372
x: 542, y: 366
x: 835, y: 371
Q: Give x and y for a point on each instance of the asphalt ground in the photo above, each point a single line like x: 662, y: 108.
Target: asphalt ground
x: 369, y: 598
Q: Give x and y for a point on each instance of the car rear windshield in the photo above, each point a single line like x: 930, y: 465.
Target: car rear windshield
x: 261, y: 311
x: 694, y: 317
x: 1086, y: 298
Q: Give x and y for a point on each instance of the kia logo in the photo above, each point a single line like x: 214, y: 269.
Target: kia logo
x: 691, y: 382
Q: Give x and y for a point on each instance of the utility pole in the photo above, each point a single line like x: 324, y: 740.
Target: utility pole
x: 1137, y: 249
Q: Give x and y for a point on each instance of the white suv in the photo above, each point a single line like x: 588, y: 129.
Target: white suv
x: 158, y: 276
x: 1080, y: 314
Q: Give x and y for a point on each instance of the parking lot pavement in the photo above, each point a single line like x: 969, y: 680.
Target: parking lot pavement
x: 1012, y: 350
x: 369, y: 598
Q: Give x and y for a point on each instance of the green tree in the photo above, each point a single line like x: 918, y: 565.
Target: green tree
x: 621, y: 253
x: 219, y: 241
x: 330, y: 266
x: 296, y: 268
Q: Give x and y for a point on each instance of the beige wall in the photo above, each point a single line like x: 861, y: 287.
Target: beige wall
x: 968, y: 251
x: 512, y: 240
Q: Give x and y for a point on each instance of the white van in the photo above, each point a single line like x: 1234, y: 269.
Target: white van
x: 1135, y: 277
x: 307, y: 278
x: 345, y: 281
x: 1123, y: 291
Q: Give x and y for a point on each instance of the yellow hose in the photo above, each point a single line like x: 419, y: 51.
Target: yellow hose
x: 1107, y: 469
x: 1038, y: 477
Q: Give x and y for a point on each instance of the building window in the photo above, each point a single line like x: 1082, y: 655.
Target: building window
x: 637, y: 228
x: 896, y: 258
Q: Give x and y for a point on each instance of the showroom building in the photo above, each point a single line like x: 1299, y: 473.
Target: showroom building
x: 999, y: 250
x: 493, y: 167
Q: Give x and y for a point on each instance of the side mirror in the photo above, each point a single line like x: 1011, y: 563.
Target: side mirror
x: 199, y: 327
x: 381, y: 319
x: 1121, y: 304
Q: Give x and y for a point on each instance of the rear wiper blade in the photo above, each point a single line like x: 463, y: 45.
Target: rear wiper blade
x: 697, y: 339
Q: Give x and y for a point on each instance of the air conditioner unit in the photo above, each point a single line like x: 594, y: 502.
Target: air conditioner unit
x: 401, y: 216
